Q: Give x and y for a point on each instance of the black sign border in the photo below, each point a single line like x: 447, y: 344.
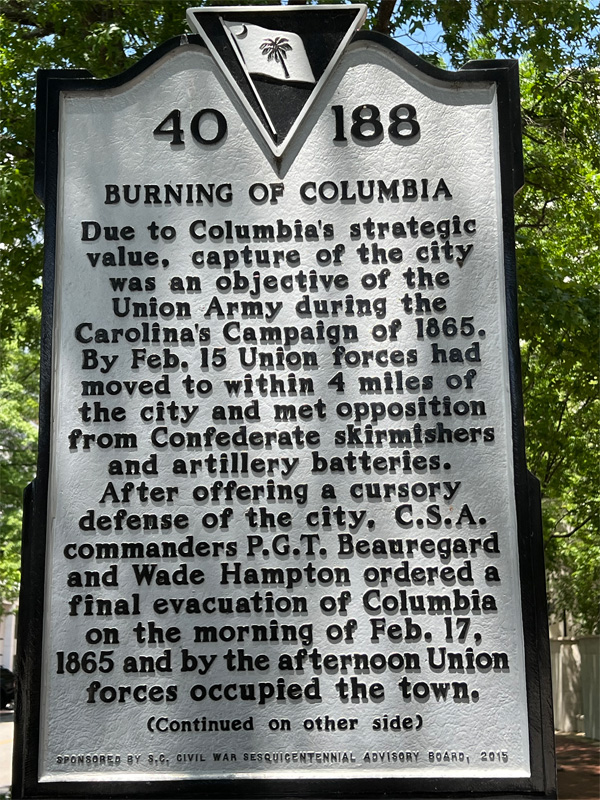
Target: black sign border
x: 542, y: 784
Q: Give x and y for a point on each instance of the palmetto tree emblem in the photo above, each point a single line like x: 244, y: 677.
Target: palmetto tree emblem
x: 276, y: 50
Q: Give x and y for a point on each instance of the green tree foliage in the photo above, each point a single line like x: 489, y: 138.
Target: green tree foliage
x: 558, y: 252
x: 18, y: 442
x: 558, y: 228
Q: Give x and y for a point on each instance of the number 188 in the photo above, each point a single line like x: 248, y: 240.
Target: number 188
x: 367, y: 125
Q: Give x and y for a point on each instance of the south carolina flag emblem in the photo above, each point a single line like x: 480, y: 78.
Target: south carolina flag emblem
x: 279, y: 55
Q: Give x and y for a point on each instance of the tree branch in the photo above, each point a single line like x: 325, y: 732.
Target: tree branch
x: 541, y: 221
x: 20, y: 16
x: 384, y: 16
x: 568, y: 535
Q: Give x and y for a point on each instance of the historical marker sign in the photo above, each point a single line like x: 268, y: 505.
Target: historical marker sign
x: 281, y: 541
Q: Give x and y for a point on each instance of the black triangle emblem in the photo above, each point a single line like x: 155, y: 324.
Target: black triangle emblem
x: 277, y: 58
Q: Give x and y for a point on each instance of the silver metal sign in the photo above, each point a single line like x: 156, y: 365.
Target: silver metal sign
x: 283, y: 508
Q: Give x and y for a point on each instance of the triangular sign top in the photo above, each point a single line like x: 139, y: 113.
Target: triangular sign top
x: 277, y: 58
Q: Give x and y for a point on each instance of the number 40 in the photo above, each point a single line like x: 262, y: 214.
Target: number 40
x: 171, y: 126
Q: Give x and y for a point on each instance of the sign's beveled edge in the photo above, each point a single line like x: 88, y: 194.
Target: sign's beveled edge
x: 542, y: 784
